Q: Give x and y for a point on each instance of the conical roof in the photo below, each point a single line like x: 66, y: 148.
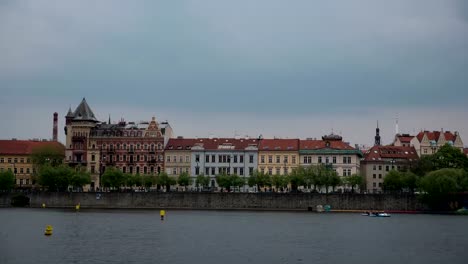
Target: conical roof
x: 70, y: 113
x: 84, y: 113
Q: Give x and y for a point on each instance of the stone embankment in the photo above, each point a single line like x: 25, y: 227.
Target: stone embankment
x: 220, y: 201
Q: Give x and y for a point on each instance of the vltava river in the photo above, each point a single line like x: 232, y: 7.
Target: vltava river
x: 120, y: 236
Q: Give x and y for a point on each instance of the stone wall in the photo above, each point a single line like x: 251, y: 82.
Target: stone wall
x: 245, y: 201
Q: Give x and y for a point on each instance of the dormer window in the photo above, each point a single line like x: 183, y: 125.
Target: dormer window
x: 327, y: 144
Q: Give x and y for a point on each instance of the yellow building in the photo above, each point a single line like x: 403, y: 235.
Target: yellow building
x: 177, y: 156
x: 278, y: 156
x: 15, y: 155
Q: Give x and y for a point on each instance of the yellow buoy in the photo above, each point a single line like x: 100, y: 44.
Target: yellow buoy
x: 43, y: 205
x: 77, y: 207
x: 162, y: 213
x: 48, y: 230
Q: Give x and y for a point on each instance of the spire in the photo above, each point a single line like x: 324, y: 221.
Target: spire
x: 109, y: 119
x: 377, y: 135
x: 84, y: 113
x: 70, y: 113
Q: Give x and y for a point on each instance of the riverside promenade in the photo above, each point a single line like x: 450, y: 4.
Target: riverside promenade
x: 220, y: 201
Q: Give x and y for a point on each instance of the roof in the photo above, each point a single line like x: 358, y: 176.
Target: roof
x: 405, y: 138
x: 322, y: 144
x: 465, y: 150
x: 83, y: 112
x: 434, y: 135
x: 279, y: 145
x: 212, y: 143
x: 25, y: 147
x: 391, y: 152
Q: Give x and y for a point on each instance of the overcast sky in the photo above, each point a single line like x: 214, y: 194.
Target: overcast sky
x: 276, y: 68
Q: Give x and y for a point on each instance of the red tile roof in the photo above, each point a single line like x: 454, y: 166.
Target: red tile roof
x: 434, y: 135
x: 213, y: 143
x: 25, y: 147
x: 180, y: 143
x: 279, y: 145
x: 322, y: 144
x: 405, y: 139
x: 390, y: 152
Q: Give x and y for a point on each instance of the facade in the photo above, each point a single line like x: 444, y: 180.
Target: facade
x: 214, y: 156
x: 465, y: 150
x: 427, y: 143
x: 15, y: 156
x: 278, y: 156
x: 331, y: 151
x: 135, y: 148
x: 379, y: 160
x: 178, y: 156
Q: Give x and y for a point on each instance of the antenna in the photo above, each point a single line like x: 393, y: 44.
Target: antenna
x: 396, y: 125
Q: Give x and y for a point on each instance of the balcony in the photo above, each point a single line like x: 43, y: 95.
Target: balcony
x: 78, y: 138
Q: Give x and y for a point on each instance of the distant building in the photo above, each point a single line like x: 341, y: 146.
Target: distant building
x: 379, y: 160
x: 427, y: 143
x: 15, y: 155
x: 178, y: 155
x: 135, y: 148
x: 465, y: 150
x: 278, y: 156
x: 403, y: 140
x: 331, y: 151
x: 214, y: 156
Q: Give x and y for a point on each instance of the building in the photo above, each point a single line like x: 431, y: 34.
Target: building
x: 465, y: 150
x: 135, y: 148
x: 214, y: 156
x: 427, y: 143
x: 278, y: 156
x: 331, y: 151
x: 178, y: 155
x: 403, y: 140
x: 15, y: 155
x: 379, y: 160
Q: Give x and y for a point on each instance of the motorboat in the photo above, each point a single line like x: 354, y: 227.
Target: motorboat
x: 375, y: 214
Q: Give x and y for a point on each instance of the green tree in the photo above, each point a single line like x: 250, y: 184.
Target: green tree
x: 80, y: 178
x: 184, y: 180
x: 259, y: 180
x: 113, y: 178
x: 393, y: 181
x: 52, y: 155
x: 55, y: 178
x: 354, y: 181
x: 423, y: 166
x: 148, y: 181
x: 310, y: 176
x: 166, y: 181
x: 228, y: 181
x: 279, y: 181
x: 409, y: 181
x: 202, y: 181
x: 450, y: 157
x: 296, y: 178
x: 334, y: 180
x: 7, y: 180
x: 438, y: 186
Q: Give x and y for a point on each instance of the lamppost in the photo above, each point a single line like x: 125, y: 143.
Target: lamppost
x: 14, y: 173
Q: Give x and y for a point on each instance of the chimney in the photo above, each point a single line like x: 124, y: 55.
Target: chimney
x: 55, y: 130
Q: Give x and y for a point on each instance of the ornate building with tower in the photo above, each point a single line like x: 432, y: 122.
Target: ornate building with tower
x: 135, y: 148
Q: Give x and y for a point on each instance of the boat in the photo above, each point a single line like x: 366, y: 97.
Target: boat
x: 371, y: 214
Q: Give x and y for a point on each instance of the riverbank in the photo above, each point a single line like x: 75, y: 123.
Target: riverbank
x: 222, y: 201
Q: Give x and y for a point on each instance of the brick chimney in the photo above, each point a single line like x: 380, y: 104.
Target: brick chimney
x: 55, y: 130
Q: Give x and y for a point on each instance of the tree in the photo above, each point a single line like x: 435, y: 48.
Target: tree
x: 354, y: 181
x: 393, y: 181
x: 202, y: 181
x: 184, y: 180
x: 7, y: 180
x: 52, y: 155
x: 113, y: 178
x: 310, y: 176
x: 148, y: 181
x: 296, y: 178
x: 80, y: 178
x: 450, y: 157
x: 423, y: 166
x: 438, y: 186
x: 279, y: 181
x: 228, y: 181
x: 334, y: 180
x: 259, y: 179
x: 56, y: 178
x: 165, y: 180
x: 409, y: 181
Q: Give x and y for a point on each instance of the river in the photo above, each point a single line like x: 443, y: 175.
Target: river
x: 139, y: 236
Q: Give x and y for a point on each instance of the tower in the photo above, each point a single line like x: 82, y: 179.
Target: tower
x: 377, y: 135
x: 55, y: 127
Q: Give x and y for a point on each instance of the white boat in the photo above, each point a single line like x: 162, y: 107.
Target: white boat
x: 376, y: 214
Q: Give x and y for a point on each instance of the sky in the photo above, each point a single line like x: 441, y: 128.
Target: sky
x: 290, y: 69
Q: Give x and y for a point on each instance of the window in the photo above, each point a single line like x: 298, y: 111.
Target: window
x: 374, y: 176
x: 235, y: 170
x: 22, y: 160
x: 349, y: 160
x: 334, y: 159
x: 251, y: 158
x: 168, y: 158
x: 125, y: 157
x: 174, y: 171
x: 262, y: 159
x: 213, y: 171
x: 207, y: 159
x: 16, y: 160
x: 374, y: 167
x: 28, y: 160
x: 213, y: 158
x: 27, y: 170
x: 270, y: 171
x: 181, y: 159
x: 241, y: 171
x: 9, y: 160
x: 387, y: 168
x: 93, y: 168
x: 380, y: 167
x: 21, y: 170
x: 174, y: 159
x: 380, y: 184
x: 319, y: 159
x: 235, y: 159
x: 270, y: 159
x: 294, y: 159
x: 380, y: 176
x: 187, y: 158
x: 374, y: 184
x: 262, y: 170
x: 197, y: 170
x: 207, y: 170
x: 277, y: 170
x: 278, y: 158
x: 16, y: 170
x: 1, y: 160
x: 425, y: 151
x: 251, y: 169
x: 285, y: 159
x: 344, y: 160
x: 145, y: 170
x: 241, y: 158
x: 327, y: 160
